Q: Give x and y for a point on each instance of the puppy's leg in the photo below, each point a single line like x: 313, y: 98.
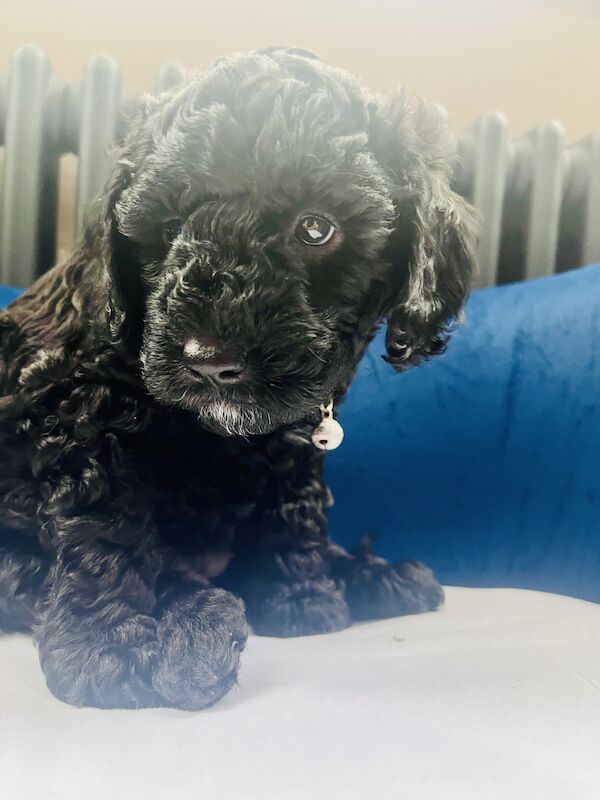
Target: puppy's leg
x: 281, y: 566
x: 375, y: 589
x: 23, y: 568
x: 290, y: 592
x: 294, y: 593
x: 294, y: 581
x: 104, y: 639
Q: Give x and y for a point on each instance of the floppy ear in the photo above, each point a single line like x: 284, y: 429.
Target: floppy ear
x: 432, y: 247
x: 104, y: 242
x: 125, y: 305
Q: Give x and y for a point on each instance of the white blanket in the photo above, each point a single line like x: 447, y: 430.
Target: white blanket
x: 497, y: 696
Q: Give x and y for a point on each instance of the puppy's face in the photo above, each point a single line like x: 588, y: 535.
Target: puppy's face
x: 257, y: 237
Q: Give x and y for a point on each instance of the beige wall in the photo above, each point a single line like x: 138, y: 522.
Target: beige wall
x: 533, y: 59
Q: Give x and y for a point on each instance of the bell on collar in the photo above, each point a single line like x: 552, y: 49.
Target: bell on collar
x: 329, y: 433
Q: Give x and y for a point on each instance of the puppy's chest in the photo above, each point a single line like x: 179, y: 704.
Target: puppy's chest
x: 206, y: 483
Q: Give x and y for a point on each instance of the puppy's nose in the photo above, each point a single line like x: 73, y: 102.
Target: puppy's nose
x: 206, y: 358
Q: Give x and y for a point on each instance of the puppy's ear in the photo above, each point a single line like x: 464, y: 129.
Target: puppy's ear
x: 121, y: 270
x: 432, y: 247
x: 125, y: 292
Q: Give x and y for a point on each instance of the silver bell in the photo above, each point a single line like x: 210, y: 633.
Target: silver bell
x: 328, y: 434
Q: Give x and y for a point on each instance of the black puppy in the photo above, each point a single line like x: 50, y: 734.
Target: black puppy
x: 159, y: 391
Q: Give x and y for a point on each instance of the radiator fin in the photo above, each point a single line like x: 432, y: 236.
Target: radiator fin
x: 99, y: 115
x: 23, y: 165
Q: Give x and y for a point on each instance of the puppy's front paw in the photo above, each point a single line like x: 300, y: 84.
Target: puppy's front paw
x: 188, y: 659
x: 101, y: 666
x: 376, y: 589
x: 200, y: 639
x: 297, y: 609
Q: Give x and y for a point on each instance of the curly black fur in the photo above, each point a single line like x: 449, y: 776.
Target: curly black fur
x: 137, y: 506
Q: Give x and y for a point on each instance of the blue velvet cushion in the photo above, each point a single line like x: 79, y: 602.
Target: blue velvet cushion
x: 7, y: 295
x: 484, y: 462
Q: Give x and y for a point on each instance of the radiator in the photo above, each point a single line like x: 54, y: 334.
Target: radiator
x: 538, y: 200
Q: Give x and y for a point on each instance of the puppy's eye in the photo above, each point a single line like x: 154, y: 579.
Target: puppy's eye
x: 171, y: 230
x: 314, y: 230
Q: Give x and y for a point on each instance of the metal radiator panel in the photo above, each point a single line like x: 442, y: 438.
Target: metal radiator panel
x: 591, y: 232
x: 547, y: 143
x: 538, y: 201
x: 483, y: 150
x: 23, y: 165
x: 100, y: 103
x: 169, y: 75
